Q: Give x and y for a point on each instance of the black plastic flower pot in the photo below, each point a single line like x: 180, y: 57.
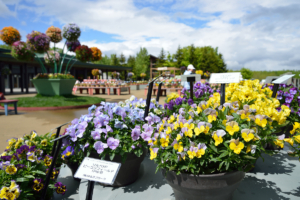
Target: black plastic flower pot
x: 73, y: 167
x: 204, y: 187
x: 129, y: 170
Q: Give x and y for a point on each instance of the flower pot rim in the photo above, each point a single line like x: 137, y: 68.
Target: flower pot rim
x: 204, y: 175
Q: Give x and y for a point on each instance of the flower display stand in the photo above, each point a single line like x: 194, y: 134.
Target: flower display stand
x: 275, y: 178
x: 52, y: 87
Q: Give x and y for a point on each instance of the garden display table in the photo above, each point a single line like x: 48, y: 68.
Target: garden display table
x: 90, y: 90
x: 117, y: 90
x: 6, y: 102
x: 275, y: 178
x: 163, y: 91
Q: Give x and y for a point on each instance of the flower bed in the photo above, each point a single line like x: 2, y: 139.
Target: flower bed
x: 24, y: 165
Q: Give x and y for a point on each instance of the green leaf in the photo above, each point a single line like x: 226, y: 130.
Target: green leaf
x: 249, y: 157
x: 221, y: 164
x: 39, y: 172
x: 22, y: 179
x: 223, y: 154
x: 111, y: 156
x: 29, y: 176
x: 227, y: 165
x: 213, y: 148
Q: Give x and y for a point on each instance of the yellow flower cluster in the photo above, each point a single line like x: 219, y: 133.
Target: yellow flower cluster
x: 199, y: 72
x: 172, y: 96
x: 251, y: 93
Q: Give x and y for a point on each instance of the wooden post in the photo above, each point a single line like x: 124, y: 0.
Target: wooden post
x: 191, y: 80
x: 222, y: 94
x: 158, y: 91
x: 2, y: 82
x: 85, y: 73
x: 148, y: 99
x: 275, y: 88
x: 107, y: 74
x: 26, y: 78
x: 22, y: 78
x: 10, y: 79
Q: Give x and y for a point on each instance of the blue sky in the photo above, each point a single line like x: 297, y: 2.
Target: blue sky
x: 258, y: 34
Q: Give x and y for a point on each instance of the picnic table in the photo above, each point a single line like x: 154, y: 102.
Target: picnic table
x: 163, y: 91
x: 90, y: 90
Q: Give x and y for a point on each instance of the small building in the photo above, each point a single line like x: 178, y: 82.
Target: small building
x: 22, y: 71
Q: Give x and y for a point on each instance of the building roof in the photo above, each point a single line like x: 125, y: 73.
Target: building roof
x: 5, y: 56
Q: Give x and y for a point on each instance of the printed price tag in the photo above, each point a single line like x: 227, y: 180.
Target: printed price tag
x: 98, y: 170
x: 283, y: 79
x: 233, y: 77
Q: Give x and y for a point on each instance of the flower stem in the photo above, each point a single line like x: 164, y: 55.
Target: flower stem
x: 63, y: 60
x: 42, y: 65
x: 68, y: 64
x: 72, y: 65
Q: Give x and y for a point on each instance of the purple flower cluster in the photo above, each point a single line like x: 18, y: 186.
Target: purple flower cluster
x: 289, y: 96
x: 202, y: 91
x: 71, y: 32
x: 104, y: 122
x: 72, y: 45
x: 38, y: 42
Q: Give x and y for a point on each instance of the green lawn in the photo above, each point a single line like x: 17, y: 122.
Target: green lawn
x: 54, y: 101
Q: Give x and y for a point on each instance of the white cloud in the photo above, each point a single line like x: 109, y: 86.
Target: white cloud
x: 267, y: 36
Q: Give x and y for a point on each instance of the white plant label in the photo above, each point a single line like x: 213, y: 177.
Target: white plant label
x: 233, y: 77
x: 98, y: 170
x: 283, y: 79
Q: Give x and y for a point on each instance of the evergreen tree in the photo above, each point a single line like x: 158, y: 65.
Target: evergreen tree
x: 179, y: 57
x: 104, y: 61
x: 204, y: 58
x: 122, y: 59
x: 192, y: 55
x: 142, y: 62
x: 114, y: 60
x: 161, y: 58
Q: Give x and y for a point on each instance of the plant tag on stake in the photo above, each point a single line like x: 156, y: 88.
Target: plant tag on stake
x: 233, y: 77
x: 283, y: 79
x: 98, y: 170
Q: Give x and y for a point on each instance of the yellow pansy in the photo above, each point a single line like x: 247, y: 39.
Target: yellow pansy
x: 164, y: 142
x: 289, y: 140
x: 178, y: 137
x: 279, y: 143
x: 176, y: 126
x: 44, y: 142
x: 191, y: 154
x: 224, y: 121
x: 178, y: 146
x: 236, y: 146
x: 232, y: 127
x: 169, y: 130
x: 297, y: 138
x: 211, y: 118
x: 200, y: 153
x: 218, y: 139
x: 189, y: 133
x: 199, y: 110
x: 247, y: 134
x: 261, y: 122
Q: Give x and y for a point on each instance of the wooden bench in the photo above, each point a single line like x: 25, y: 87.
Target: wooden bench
x: 7, y: 102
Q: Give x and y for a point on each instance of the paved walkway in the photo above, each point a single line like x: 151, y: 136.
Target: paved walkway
x: 43, y: 121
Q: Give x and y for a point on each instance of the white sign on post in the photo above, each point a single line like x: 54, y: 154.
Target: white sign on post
x: 283, y: 79
x: 98, y: 170
x: 233, y: 77
x: 197, y: 77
